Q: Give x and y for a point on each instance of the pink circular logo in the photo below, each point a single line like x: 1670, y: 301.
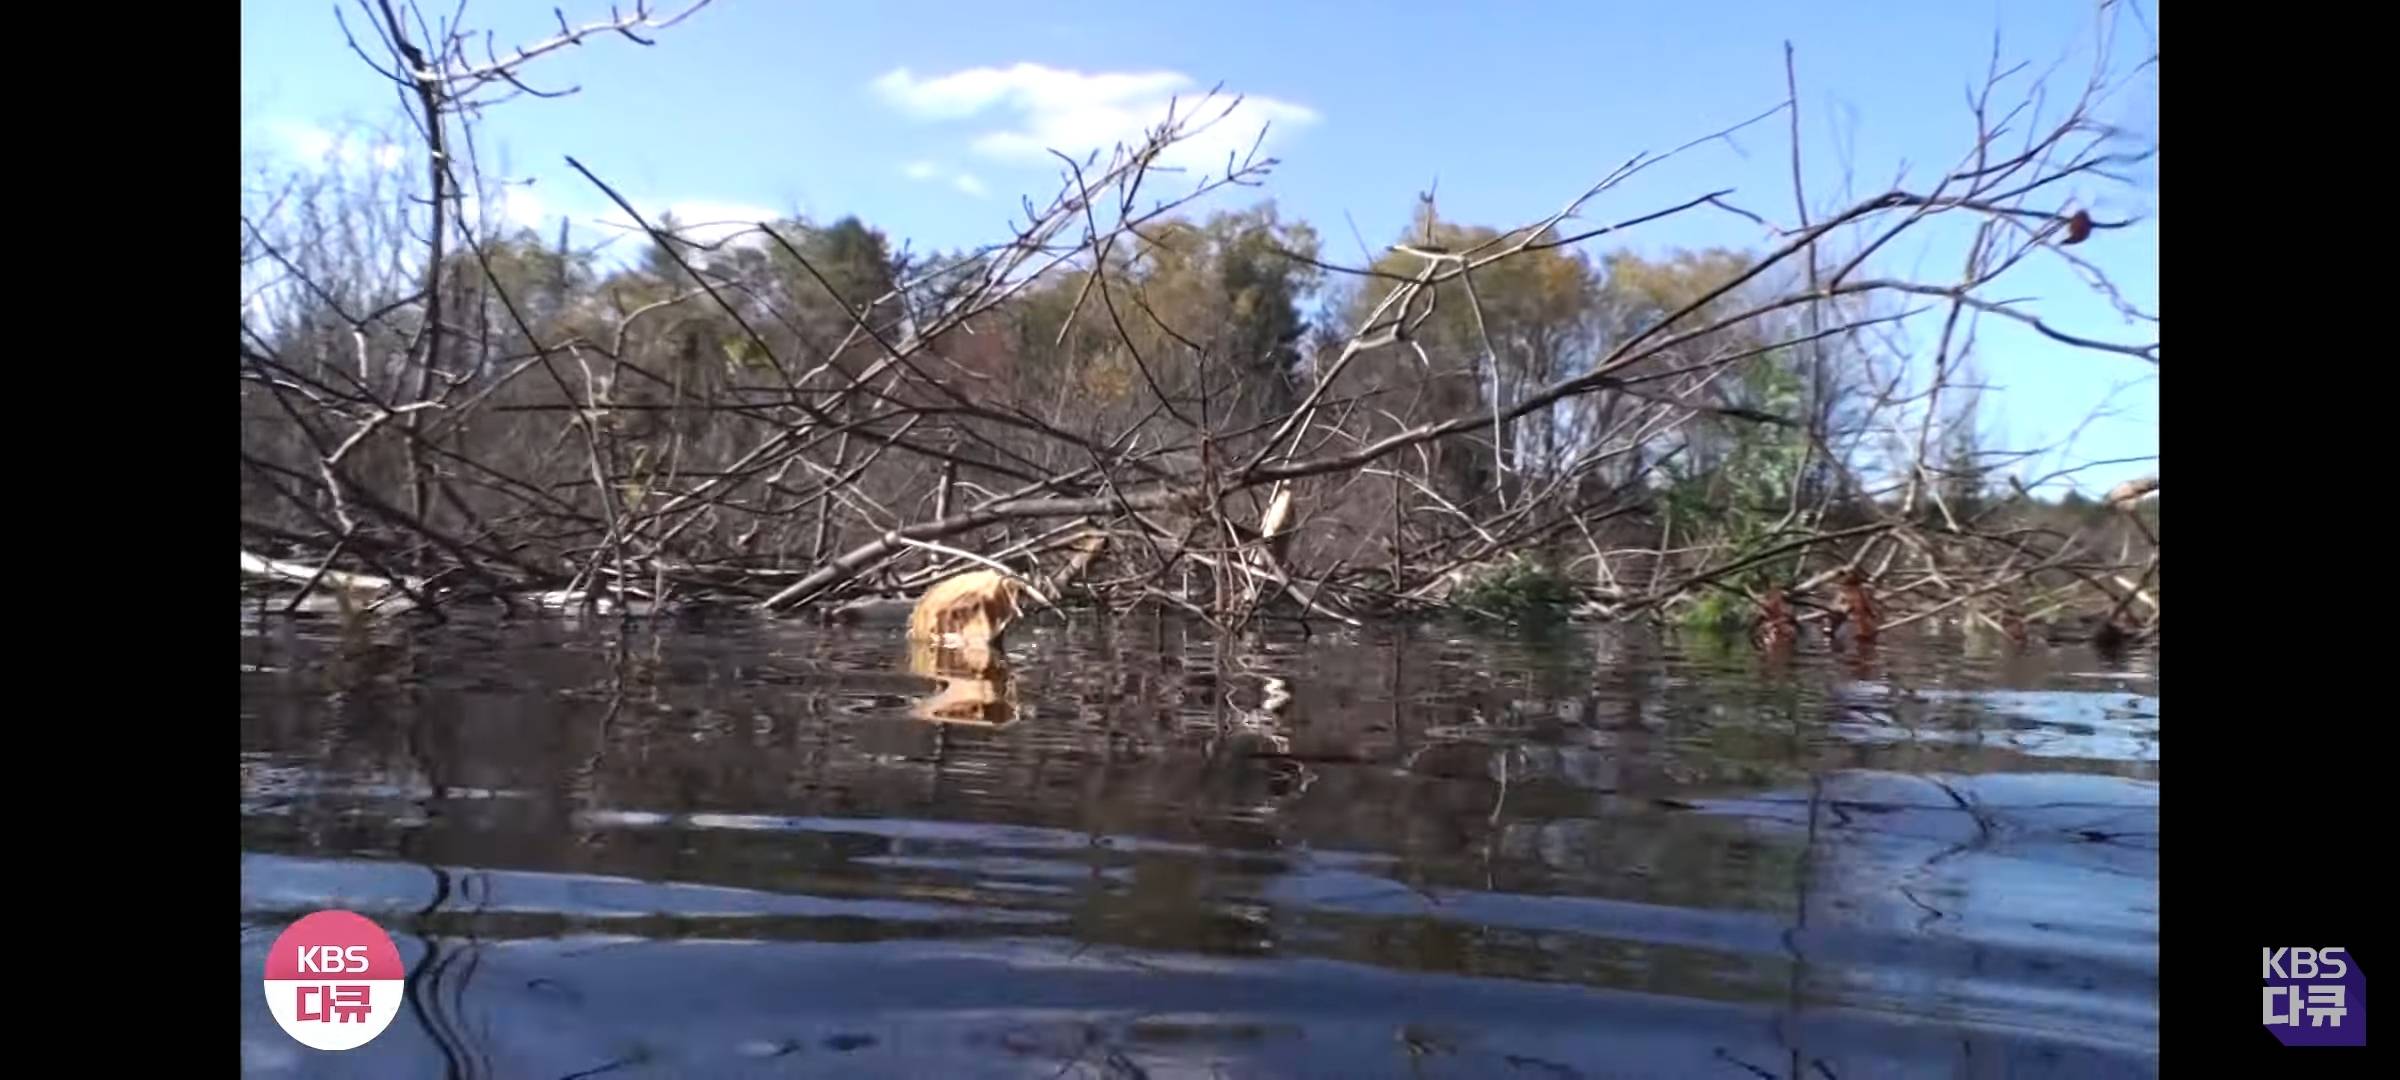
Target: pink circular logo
x: 334, y: 980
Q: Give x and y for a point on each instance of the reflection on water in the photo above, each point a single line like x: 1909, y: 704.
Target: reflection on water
x: 746, y: 849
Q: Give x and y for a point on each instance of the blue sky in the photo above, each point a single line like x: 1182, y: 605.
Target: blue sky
x: 927, y: 120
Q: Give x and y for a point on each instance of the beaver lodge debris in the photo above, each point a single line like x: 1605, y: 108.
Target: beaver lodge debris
x: 1487, y: 422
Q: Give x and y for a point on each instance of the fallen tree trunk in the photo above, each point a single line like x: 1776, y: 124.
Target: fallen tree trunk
x: 281, y: 570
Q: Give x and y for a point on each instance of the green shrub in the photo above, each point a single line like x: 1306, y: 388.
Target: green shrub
x: 1518, y: 590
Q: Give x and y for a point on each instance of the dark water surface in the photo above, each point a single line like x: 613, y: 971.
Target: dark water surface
x: 734, y: 849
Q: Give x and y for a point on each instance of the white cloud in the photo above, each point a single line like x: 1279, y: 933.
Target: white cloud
x: 307, y: 142
x: 525, y: 208
x: 965, y: 182
x: 315, y: 147
x: 1029, y: 87
x: 518, y: 207
x: 1076, y: 113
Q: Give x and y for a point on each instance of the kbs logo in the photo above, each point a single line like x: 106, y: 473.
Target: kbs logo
x: 2315, y: 997
x: 334, y: 980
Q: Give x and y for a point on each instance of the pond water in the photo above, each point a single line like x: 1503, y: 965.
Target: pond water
x: 732, y: 847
